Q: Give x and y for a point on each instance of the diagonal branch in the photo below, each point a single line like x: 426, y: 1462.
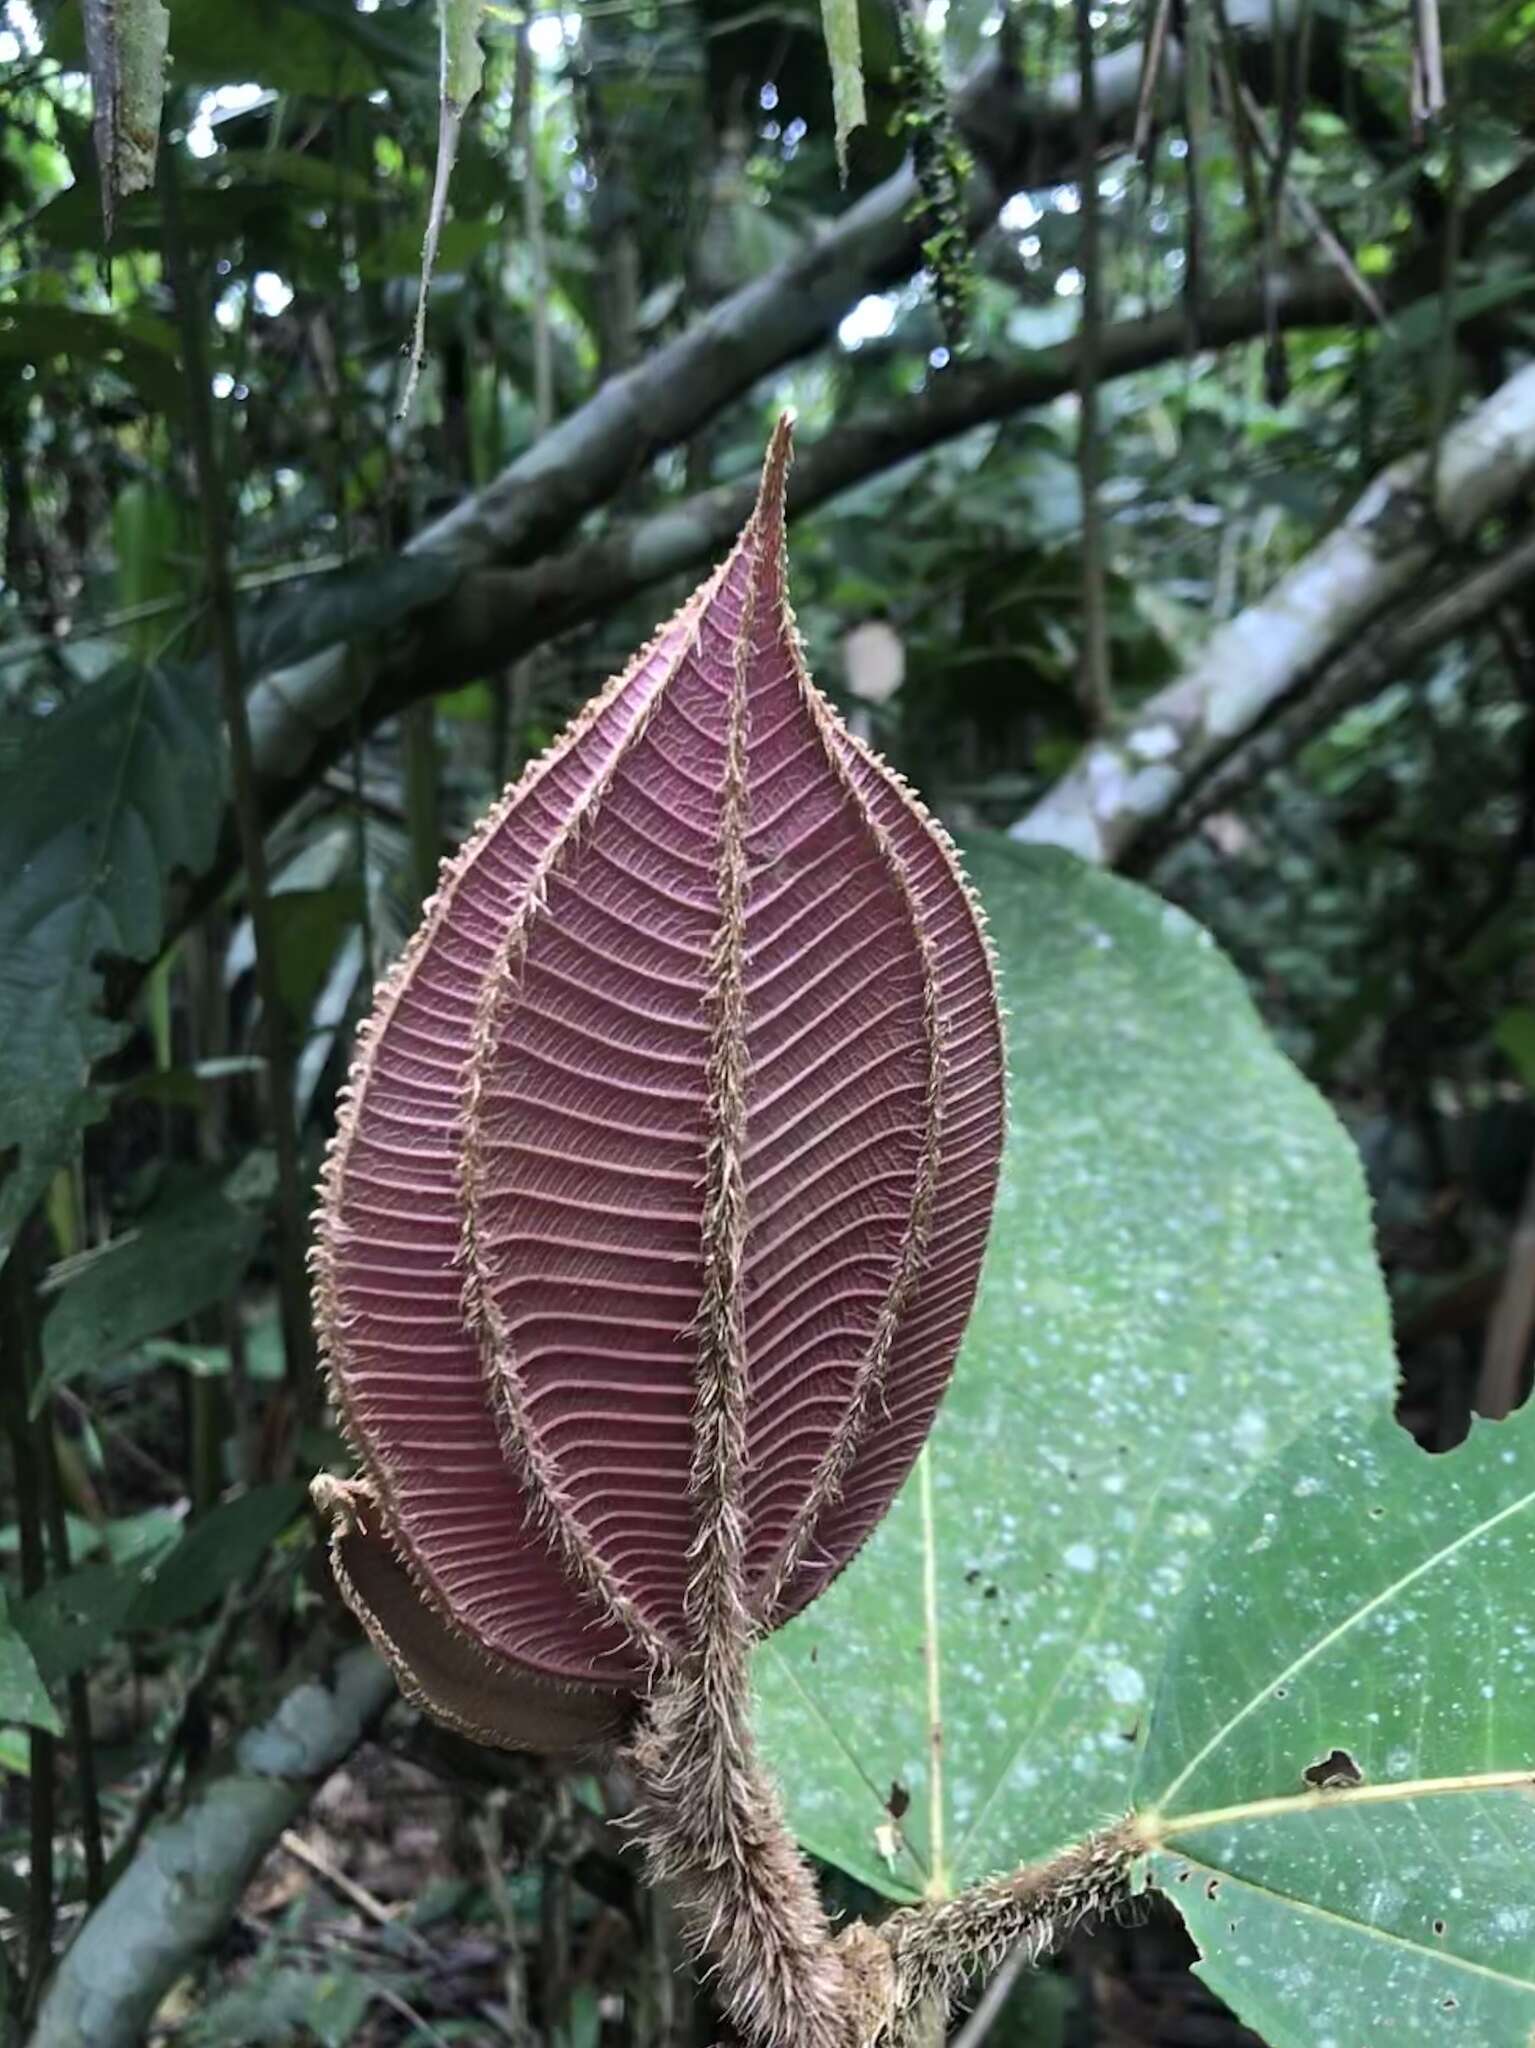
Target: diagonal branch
x: 301, y: 717
x: 1404, y: 527
x: 178, y: 1891
x: 776, y: 318
x: 791, y: 309
x: 1358, y: 672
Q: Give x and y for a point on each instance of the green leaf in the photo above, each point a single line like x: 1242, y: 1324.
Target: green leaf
x: 844, y: 51
x: 463, y: 61
x: 1514, y: 1036
x: 100, y: 806
x: 23, y: 1696
x: 215, y: 1553
x: 1180, y: 1272
x: 139, y: 348
x: 1340, y: 1772
x: 189, y: 1252
x: 296, y: 46
x: 71, y: 1622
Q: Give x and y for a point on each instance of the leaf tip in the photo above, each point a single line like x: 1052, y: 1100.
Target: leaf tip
x: 771, y: 492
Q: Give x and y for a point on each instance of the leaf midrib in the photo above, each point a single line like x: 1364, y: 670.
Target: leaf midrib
x: 1342, y: 1628
x: 1160, y: 1829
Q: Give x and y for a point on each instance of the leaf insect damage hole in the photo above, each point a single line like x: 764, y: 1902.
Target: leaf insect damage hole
x: 1335, y: 1772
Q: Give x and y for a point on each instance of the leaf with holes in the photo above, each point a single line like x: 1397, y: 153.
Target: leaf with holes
x: 1180, y: 1273
x: 659, y: 1196
x: 1339, y: 1779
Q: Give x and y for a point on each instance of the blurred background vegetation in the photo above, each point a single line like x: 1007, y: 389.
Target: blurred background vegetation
x: 1286, y: 249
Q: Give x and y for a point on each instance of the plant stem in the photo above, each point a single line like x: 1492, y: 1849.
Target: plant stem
x: 82, y: 1739
x: 18, y: 1329
x: 292, y: 1291
x: 418, y: 737
x: 1095, y: 684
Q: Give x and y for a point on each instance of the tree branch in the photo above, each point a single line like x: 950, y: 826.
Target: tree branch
x: 586, y: 459
x: 792, y: 308
x: 301, y: 717
x: 1395, y: 536
x: 182, y: 1884
x: 1358, y: 673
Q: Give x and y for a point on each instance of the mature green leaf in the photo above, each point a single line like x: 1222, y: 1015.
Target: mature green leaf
x: 189, y: 1252
x: 105, y: 801
x: 1340, y: 1769
x: 295, y: 620
x: 1180, y: 1271
x: 398, y: 254
x: 215, y: 1553
x: 23, y: 1696
x: 283, y: 2002
x: 319, y: 177
x: 844, y: 51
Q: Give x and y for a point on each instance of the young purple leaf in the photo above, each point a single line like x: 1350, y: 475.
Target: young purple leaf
x: 663, y: 1175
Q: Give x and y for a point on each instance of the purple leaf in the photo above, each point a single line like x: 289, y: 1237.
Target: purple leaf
x: 660, y: 1189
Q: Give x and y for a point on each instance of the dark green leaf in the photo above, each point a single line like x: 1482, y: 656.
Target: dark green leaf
x: 140, y: 350
x: 23, y: 1696
x: 101, y: 805
x: 216, y: 1553
x: 72, y: 1621
x: 189, y: 1251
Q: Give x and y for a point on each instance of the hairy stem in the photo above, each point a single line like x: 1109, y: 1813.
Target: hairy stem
x: 936, y: 1948
x: 714, y: 1831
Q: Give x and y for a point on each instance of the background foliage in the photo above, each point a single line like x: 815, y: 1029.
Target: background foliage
x: 1304, y: 270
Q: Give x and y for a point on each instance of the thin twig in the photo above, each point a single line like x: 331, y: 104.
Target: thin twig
x: 1096, y: 686
x: 989, y: 2005
x: 490, y: 1834
x: 349, y: 1889
x: 1428, y: 93
x: 1151, y: 73
x: 525, y: 141
x: 211, y: 1662
x: 81, y: 1736
x: 1310, y: 218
